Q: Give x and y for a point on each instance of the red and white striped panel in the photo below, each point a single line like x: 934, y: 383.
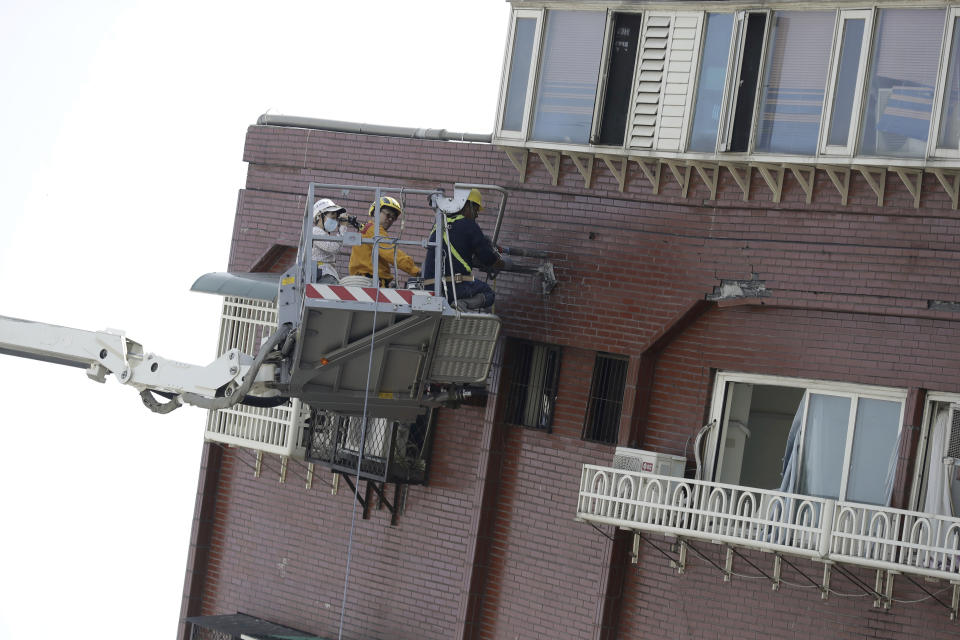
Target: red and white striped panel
x: 360, y: 294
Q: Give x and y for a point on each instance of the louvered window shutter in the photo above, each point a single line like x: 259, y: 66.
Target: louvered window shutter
x: 666, y: 65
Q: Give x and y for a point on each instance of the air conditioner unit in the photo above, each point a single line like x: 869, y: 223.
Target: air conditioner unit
x: 662, y: 464
x: 952, y: 454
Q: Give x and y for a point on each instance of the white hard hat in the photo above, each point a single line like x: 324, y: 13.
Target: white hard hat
x: 326, y: 205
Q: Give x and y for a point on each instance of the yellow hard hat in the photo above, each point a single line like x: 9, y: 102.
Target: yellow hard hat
x: 387, y: 201
x: 475, y: 198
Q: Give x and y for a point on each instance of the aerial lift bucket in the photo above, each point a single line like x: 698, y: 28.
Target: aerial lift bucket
x: 364, y: 350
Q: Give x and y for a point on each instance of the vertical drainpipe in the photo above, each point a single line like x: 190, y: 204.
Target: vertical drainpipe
x: 909, y: 442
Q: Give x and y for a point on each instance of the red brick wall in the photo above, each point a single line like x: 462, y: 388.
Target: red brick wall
x: 849, y: 288
x: 699, y: 604
x: 281, y: 550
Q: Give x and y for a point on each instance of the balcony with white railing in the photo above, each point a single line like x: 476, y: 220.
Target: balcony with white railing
x: 880, y: 538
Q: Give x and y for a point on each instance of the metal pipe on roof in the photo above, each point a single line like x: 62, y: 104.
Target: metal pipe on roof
x: 370, y: 129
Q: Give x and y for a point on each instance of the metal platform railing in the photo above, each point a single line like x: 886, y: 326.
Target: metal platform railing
x: 245, y: 324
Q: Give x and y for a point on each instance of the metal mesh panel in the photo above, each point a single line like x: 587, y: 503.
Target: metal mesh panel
x: 464, y: 348
x: 202, y: 633
x: 392, y: 451
x: 606, y: 398
x: 532, y: 390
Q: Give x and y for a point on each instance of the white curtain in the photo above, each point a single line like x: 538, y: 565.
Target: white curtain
x: 791, y: 454
x: 939, y: 475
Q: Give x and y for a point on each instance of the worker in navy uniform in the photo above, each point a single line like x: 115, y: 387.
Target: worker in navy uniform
x: 465, y: 245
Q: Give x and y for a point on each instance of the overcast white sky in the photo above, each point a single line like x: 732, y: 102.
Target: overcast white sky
x: 121, y: 138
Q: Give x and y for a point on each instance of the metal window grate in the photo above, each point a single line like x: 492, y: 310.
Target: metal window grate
x: 606, y: 398
x: 392, y: 451
x: 532, y: 386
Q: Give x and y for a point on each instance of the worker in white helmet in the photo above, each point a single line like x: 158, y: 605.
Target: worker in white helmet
x: 329, y: 219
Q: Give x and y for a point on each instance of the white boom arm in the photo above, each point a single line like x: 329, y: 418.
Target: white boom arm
x: 216, y: 385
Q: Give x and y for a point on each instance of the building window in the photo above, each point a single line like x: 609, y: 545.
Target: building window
x: 570, y: 68
x: 811, y: 437
x: 791, y: 101
x: 606, y: 398
x: 900, y: 87
x: 751, y: 32
x: 850, y: 55
x: 519, y: 76
x: 618, y: 86
x: 841, y: 82
x: 532, y: 372
x: 938, y: 477
x: 710, y: 82
x: 949, y: 134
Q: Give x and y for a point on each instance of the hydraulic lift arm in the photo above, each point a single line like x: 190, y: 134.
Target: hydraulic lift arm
x: 222, y: 383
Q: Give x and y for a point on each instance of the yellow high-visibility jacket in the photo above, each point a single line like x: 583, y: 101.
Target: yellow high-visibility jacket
x: 361, y: 257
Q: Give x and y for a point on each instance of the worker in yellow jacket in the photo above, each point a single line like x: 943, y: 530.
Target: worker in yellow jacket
x: 361, y: 257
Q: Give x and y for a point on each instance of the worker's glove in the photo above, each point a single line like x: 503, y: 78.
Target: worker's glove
x: 351, y: 220
x: 502, y: 264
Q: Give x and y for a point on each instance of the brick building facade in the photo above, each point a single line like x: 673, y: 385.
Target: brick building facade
x: 751, y: 212
x: 489, y: 548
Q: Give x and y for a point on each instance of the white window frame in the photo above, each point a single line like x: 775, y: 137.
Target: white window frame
x: 712, y: 464
x: 695, y: 85
x: 599, y: 101
x: 853, y: 135
x: 602, y: 78
x: 538, y: 15
x: 933, y: 142
x: 732, y: 90
x: 919, y: 470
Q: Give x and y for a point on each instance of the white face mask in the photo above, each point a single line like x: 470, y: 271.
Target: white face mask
x: 330, y: 224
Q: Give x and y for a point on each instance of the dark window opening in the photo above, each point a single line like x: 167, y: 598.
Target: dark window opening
x: 750, y: 56
x: 616, y: 96
x: 532, y: 372
x: 606, y: 399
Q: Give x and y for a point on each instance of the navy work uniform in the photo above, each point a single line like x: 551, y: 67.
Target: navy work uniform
x: 467, y: 246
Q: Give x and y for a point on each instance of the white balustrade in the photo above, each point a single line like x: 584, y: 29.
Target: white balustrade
x: 828, y: 530
x: 896, y: 540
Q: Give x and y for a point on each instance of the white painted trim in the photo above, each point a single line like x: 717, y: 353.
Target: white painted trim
x: 532, y: 77
x: 722, y: 5
x: 602, y: 77
x: 732, y: 88
x: 923, y: 443
x: 933, y: 148
x: 867, y: 15
x: 719, y: 411
x: 767, y: 27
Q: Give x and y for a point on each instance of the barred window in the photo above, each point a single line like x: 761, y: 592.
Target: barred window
x: 533, y: 369
x: 606, y: 398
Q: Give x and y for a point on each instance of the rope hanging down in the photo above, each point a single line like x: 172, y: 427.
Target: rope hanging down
x: 356, y: 489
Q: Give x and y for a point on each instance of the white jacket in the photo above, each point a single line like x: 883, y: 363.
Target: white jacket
x: 325, y: 253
